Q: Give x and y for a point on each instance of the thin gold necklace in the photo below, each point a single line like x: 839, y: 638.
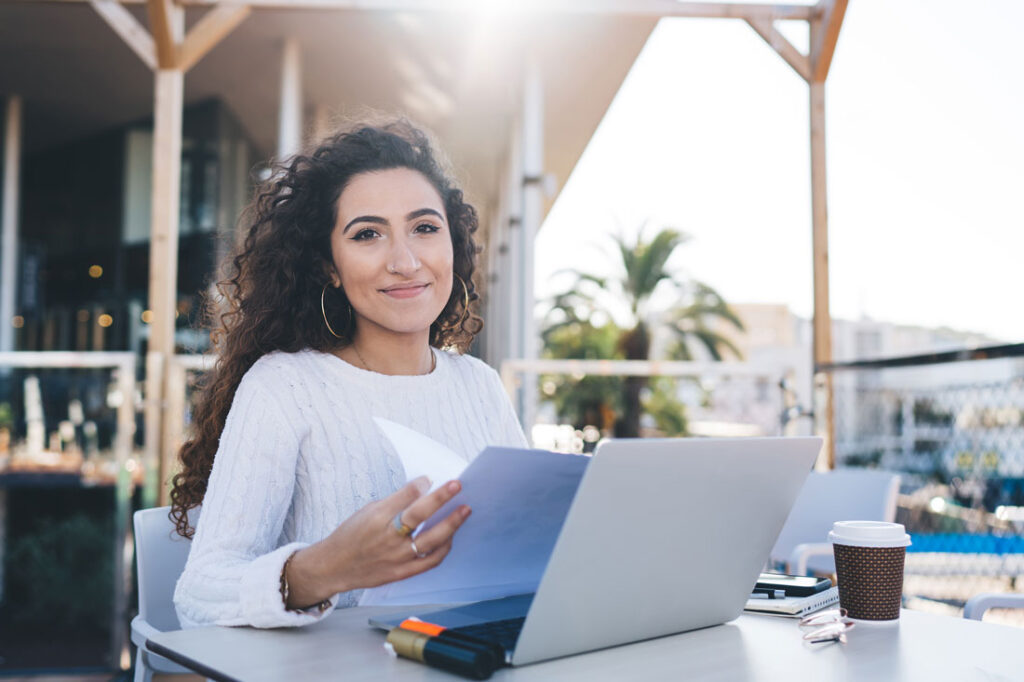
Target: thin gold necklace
x: 433, y: 360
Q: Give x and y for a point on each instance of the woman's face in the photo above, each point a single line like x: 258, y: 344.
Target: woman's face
x: 392, y: 250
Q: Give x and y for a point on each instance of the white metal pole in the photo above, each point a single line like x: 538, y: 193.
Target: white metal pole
x: 511, y: 245
x: 11, y: 192
x: 9, y: 260
x: 533, y: 208
x: 289, y: 122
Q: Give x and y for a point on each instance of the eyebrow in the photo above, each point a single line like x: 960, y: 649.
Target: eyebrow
x: 383, y: 221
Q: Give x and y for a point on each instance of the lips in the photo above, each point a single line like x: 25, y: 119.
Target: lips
x: 409, y: 290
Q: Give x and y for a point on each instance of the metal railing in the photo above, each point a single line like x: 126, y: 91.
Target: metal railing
x: 952, y: 424
x: 720, y: 398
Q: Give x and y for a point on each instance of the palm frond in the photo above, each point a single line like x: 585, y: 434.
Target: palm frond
x: 602, y: 282
x: 655, y: 256
x: 712, y: 341
x: 697, y: 313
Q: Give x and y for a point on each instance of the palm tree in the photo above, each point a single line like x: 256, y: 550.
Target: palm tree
x: 642, y: 270
x: 583, y: 400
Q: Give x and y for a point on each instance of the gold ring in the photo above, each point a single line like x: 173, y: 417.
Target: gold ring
x: 400, y: 527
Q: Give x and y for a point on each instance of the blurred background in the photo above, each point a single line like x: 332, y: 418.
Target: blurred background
x: 665, y: 253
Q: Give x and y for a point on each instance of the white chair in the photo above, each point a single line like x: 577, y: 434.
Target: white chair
x: 841, y: 495
x: 160, y: 555
x: 977, y: 605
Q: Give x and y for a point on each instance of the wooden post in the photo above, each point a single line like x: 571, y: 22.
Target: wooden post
x: 824, y: 34
x: 170, y: 53
x: 154, y: 489
x: 824, y: 25
x: 163, y: 246
x: 819, y: 228
x: 174, y: 392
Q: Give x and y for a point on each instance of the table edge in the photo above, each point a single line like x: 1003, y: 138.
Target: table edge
x: 185, y: 661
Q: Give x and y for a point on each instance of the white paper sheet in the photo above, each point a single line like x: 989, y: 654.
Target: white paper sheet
x: 519, y: 500
x: 422, y: 456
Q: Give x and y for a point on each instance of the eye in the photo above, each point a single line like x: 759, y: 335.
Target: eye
x: 427, y: 228
x: 364, y: 234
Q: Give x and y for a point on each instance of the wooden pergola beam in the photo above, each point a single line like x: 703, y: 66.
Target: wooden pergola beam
x: 128, y: 28
x: 174, y: 54
x: 824, y: 36
x: 210, y: 30
x: 800, y: 62
x: 161, y: 23
x: 665, y: 8
x: 650, y: 8
x: 169, y: 53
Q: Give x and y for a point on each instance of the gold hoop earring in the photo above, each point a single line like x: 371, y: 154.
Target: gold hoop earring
x: 465, y: 304
x: 323, y: 311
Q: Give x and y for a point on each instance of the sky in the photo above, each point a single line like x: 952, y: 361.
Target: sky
x: 925, y: 164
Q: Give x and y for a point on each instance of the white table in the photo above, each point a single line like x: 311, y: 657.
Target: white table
x: 343, y: 647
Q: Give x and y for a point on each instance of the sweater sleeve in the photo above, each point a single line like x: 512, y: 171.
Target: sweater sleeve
x: 233, y: 572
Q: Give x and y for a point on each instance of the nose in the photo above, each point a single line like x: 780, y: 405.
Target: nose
x: 402, y: 259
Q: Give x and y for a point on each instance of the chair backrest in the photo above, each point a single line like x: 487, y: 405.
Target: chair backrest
x: 841, y: 495
x: 160, y: 554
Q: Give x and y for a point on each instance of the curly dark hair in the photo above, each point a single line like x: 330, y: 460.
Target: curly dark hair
x: 271, y: 293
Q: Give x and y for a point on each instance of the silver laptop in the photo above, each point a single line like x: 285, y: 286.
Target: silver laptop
x: 663, y: 536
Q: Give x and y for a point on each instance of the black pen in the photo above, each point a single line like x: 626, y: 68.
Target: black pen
x: 475, y: 663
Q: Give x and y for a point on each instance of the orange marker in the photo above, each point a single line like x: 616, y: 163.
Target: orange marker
x: 495, y: 650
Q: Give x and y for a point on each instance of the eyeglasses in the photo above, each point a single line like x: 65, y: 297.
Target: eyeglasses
x: 826, y: 626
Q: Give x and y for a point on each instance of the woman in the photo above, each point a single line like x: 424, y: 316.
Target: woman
x: 356, y: 270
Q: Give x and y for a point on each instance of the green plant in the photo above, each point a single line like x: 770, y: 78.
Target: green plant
x: 641, y: 269
x: 588, y: 400
x: 668, y: 411
x: 59, y: 575
x: 6, y: 416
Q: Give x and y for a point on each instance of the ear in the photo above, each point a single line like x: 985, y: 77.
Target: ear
x: 332, y: 275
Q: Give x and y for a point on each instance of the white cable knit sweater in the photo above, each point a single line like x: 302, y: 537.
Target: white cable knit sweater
x: 300, y: 453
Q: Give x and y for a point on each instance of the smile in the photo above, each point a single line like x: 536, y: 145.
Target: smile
x: 405, y: 290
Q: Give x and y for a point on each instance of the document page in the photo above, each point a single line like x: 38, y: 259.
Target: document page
x: 421, y: 455
x: 519, y: 500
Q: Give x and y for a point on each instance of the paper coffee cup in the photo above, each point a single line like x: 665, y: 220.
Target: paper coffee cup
x: 869, y: 567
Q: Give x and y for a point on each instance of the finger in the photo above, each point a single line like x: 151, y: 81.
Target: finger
x: 430, y: 540
x: 433, y: 559
x: 415, y: 566
x: 405, y: 496
x: 422, y: 509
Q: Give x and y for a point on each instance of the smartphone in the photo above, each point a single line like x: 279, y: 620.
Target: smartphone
x: 794, y: 585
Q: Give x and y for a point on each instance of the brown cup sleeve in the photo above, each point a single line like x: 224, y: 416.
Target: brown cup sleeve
x: 870, y: 581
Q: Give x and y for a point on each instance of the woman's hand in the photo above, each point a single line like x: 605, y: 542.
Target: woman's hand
x: 367, y: 550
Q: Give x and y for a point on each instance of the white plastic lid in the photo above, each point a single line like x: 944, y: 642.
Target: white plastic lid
x: 869, y: 534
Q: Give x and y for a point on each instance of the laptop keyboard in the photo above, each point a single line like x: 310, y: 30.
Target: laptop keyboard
x: 504, y: 632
